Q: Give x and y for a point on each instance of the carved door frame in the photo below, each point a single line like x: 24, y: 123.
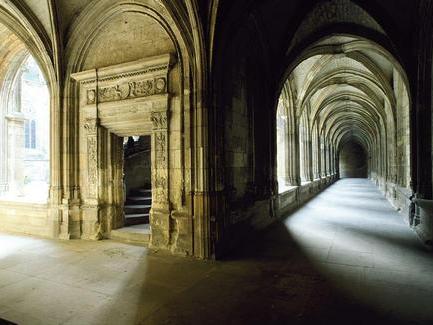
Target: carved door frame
x: 124, y: 100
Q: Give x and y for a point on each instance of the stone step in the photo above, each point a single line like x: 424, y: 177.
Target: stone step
x: 138, y: 198
x: 140, y: 192
x: 136, y: 215
x: 142, y: 206
x: 133, y: 200
x: 136, y: 209
x: 139, y: 234
x: 136, y: 219
x: 137, y: 206
x: 144, y: 190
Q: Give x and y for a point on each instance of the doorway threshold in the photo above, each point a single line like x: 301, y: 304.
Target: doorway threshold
x: 137, y: 234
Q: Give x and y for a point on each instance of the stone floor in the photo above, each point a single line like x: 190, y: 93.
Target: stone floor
x: 344, y: 258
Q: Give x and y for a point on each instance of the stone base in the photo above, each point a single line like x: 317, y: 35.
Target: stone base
x: 160, y: 225
x: 139, y: 234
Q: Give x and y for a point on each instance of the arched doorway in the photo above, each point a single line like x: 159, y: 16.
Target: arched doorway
x: 131, y: 76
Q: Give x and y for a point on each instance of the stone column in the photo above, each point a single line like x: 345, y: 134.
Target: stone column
x: 293, y: 155
x: 160, y: 211
x: 309, y: 158
x: 91, y: 226
x: 332, y: 162
x: 322, y: 159
x: 287, y: 154
x: 15, y: 154
x: 316, y: 156
x: 319, y: 157
x: 304, y: 155
x: 282, y: 136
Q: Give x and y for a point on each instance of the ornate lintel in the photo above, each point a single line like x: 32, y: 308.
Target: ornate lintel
x: 128, y: 90
x: 141, y: 78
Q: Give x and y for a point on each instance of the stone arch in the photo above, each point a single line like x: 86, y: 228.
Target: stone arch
x: 25, y: 37
x: 96, y: 22
x: 349, y: 93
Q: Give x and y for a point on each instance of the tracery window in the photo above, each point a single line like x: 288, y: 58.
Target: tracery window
x: 26, y: 147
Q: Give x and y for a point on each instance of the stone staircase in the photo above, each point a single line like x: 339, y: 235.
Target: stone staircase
x: 136, y: 228
x: 137, y: 207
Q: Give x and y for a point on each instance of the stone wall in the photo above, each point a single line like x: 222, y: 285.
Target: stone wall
x: 292, y: 199
x: 25, y: 218
x: 127, y: 37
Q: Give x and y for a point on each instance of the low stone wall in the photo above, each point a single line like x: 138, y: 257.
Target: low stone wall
x: 247, y: 221
x: 292, y: 199
x: 263, y: 213
x: 399, y: 198
x: 24, y: 218
x: 396, y: 195
x: 422, y: 219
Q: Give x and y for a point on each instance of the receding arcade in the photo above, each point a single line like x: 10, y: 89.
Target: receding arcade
x: 344, y: 110
x: 235, y: 141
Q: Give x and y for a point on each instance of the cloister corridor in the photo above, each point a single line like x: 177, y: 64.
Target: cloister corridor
x: 216, y: 162
x: 346, y: 257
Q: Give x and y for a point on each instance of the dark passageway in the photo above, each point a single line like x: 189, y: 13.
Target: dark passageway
x: 353, y: 161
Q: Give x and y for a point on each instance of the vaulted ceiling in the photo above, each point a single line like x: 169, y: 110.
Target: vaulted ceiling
x: 351, y: 89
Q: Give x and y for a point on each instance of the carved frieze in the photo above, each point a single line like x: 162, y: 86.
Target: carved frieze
x: 91, y: 126
x: 128, y: 90
x: 160, y: 149
x: 159, y: 121
x: 92, y: 165
x: 160, y: 187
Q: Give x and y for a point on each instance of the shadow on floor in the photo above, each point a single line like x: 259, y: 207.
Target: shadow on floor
x: 302, y: 270
x: 273, y: 283
x: 327, y: 263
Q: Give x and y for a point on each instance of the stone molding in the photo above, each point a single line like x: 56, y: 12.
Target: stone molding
x: 149, y: 68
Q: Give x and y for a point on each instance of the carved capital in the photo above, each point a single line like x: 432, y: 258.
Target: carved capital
x: 159, y: 120
x: 91, y: 96
x: 91, y: 125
